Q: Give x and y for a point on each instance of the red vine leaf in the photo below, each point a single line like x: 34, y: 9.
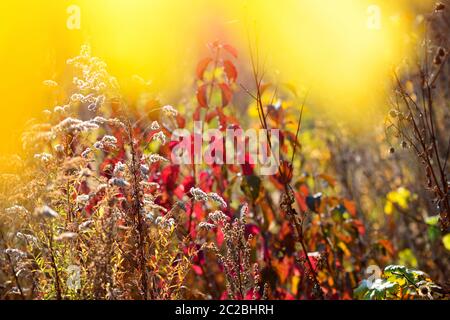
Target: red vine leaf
x: 201, y: 67
x: 231, y: 50
x: 227, y: 94
x: 201, y: 96
x: 230, y: 70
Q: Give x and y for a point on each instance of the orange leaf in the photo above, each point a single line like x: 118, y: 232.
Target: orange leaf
x: 331, y: 181
x: 231, y: 50
x: 264, y: 87
x: 350, y: 206
x: 201, y: 67
x: 282, y: 268
x: 286, y: 172
x: 387, y: 245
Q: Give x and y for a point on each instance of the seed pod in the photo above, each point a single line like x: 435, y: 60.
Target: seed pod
x: 428, y: 171
x: 437, y: 60
x: 439, y: 6
x: 393, y: 113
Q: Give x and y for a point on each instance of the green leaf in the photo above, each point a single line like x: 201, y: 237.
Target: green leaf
x: 433, y: 220
x: 433, y: 233
x: 361, y: 290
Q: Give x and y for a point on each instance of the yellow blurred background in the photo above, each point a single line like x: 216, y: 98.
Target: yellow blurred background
x: 325, y: 45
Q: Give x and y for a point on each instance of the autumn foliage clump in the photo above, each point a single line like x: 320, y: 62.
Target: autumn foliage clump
x: 95, y: 208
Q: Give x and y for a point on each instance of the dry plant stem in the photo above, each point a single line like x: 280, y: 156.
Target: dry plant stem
x: 136, y: 211
x: 13, y: 270
x: 293, y: 215
x: 53, y: 263
x: 422, y: 135
x: 287, y: 188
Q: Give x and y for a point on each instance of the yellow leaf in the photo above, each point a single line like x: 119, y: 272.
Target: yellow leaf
x: 344, y: 248
x: 406, y: 257
x: 446, y: 241
x: 388, y: 208
x: 295, y: 280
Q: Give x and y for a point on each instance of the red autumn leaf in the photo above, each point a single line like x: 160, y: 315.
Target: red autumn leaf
x: 282, y: 294
x: 304, y: 190
x: 201, y: 96
x: 227, y: 94
x: 230, y: 70
x: 211, y: 115
x: 181, y: 122
x: 199, y: 213
x: 301, y: 200
x: 185, y: 186
x: 250, y: 293
x: 359, y: 226
x: 206, y: 181
x: 286, y: 172
x: 224, y: 120
x: 196, y: 114
x: 247, y: 166
x: 251, y: 229
x: 201, y: 67
x: 231, y: 50
x: 169, y: 176
x: 197, y: 269
x: 219, y: 237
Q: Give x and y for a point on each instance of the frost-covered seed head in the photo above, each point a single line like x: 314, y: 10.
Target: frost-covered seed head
x: 44, y: 157
x: 145, y: 169
x: 218, y: 216
x: 161, y: 137
x: 119, y: 168
x: 170, y: 111
x: 50, y: 83
x: 86, y: 152
x: 83, y: 198
x: 47, y: 212
x: 206, y: 225
x: 218, y: 199
x: 154, y: 157
x: 198, y: 194
x: 118, y: 182
x: 155, y: 125
x: 16, y: 210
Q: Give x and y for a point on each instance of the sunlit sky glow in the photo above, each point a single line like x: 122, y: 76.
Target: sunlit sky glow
x: 322, y: 45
